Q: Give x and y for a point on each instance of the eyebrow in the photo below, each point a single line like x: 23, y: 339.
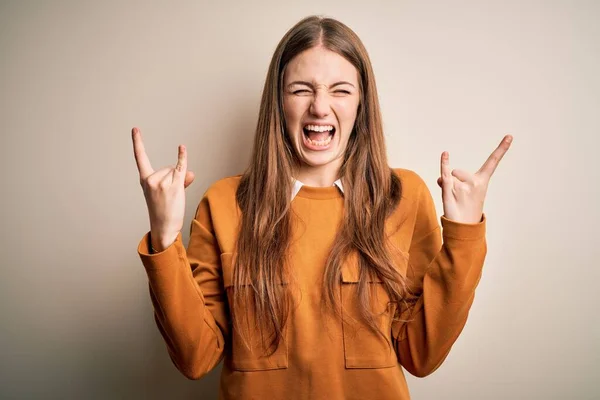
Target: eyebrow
x: 311, y: 85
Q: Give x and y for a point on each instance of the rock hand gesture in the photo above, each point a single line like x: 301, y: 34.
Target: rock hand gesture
x: 164, y: 191
x: 463, y: 193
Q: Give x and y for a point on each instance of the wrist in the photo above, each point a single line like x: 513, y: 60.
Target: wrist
x: 159, y: 243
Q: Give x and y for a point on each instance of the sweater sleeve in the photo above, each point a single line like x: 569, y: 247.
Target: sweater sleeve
x: 186, y: 290
x: 442, y: 277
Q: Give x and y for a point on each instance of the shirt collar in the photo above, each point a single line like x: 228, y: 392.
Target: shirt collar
x: 298, y: 185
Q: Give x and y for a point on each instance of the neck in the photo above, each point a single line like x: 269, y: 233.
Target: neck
x: 320, y: 176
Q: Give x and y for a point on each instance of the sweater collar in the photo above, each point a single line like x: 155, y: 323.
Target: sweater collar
x: 298, y: 185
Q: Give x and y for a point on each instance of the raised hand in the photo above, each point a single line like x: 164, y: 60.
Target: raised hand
x: 463, y: 193
x: 164, y: 191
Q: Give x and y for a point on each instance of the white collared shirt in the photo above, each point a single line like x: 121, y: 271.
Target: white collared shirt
x: 298, y: 185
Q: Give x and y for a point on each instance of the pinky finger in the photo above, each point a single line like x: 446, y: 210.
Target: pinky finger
x: 181, y: 160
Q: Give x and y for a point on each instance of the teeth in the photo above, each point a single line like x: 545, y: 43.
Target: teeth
x: 319, y: 128
x: 319, y: 142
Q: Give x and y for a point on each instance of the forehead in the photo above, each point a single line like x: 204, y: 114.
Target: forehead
x: 320, y: 66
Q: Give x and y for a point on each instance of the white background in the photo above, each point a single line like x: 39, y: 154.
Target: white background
x: 75, y: 77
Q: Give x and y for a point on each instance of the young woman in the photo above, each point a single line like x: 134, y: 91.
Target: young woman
x: 320, y: 272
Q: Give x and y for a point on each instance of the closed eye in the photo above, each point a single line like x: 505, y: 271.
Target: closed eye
x: 306, y: 91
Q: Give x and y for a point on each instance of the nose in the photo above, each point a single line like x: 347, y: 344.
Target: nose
x: 320, y: 106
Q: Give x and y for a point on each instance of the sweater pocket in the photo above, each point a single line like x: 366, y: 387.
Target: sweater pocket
x: 364, y: 348
x: 249, y: 356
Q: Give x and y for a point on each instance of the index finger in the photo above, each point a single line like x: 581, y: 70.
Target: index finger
x: 493, y: 160
x: 141, y: 159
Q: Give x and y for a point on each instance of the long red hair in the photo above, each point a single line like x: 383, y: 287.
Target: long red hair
x: 371, y: 193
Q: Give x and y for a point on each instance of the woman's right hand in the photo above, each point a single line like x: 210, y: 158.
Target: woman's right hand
x: 164, y: 191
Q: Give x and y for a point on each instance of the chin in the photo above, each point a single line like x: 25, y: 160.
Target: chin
x: 319, y: 159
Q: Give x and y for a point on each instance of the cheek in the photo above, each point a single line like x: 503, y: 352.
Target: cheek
x: 286, y: 112
x: 292, y: 110
x: 346, y: 112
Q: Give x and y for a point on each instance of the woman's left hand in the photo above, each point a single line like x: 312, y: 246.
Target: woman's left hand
x: 463, y: 193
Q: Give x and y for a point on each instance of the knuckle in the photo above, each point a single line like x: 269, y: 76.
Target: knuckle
x: 152, y: 183
x: 163, y: 184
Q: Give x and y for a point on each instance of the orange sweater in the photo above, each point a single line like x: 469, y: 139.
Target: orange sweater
x: 321, y: 357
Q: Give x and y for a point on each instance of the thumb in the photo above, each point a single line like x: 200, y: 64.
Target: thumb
x: 189, y: 178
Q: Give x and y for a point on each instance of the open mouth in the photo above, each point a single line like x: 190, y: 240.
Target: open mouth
x: 319, y: 136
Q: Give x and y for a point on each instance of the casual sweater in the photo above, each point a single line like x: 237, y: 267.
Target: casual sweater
x: 321, y: 357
